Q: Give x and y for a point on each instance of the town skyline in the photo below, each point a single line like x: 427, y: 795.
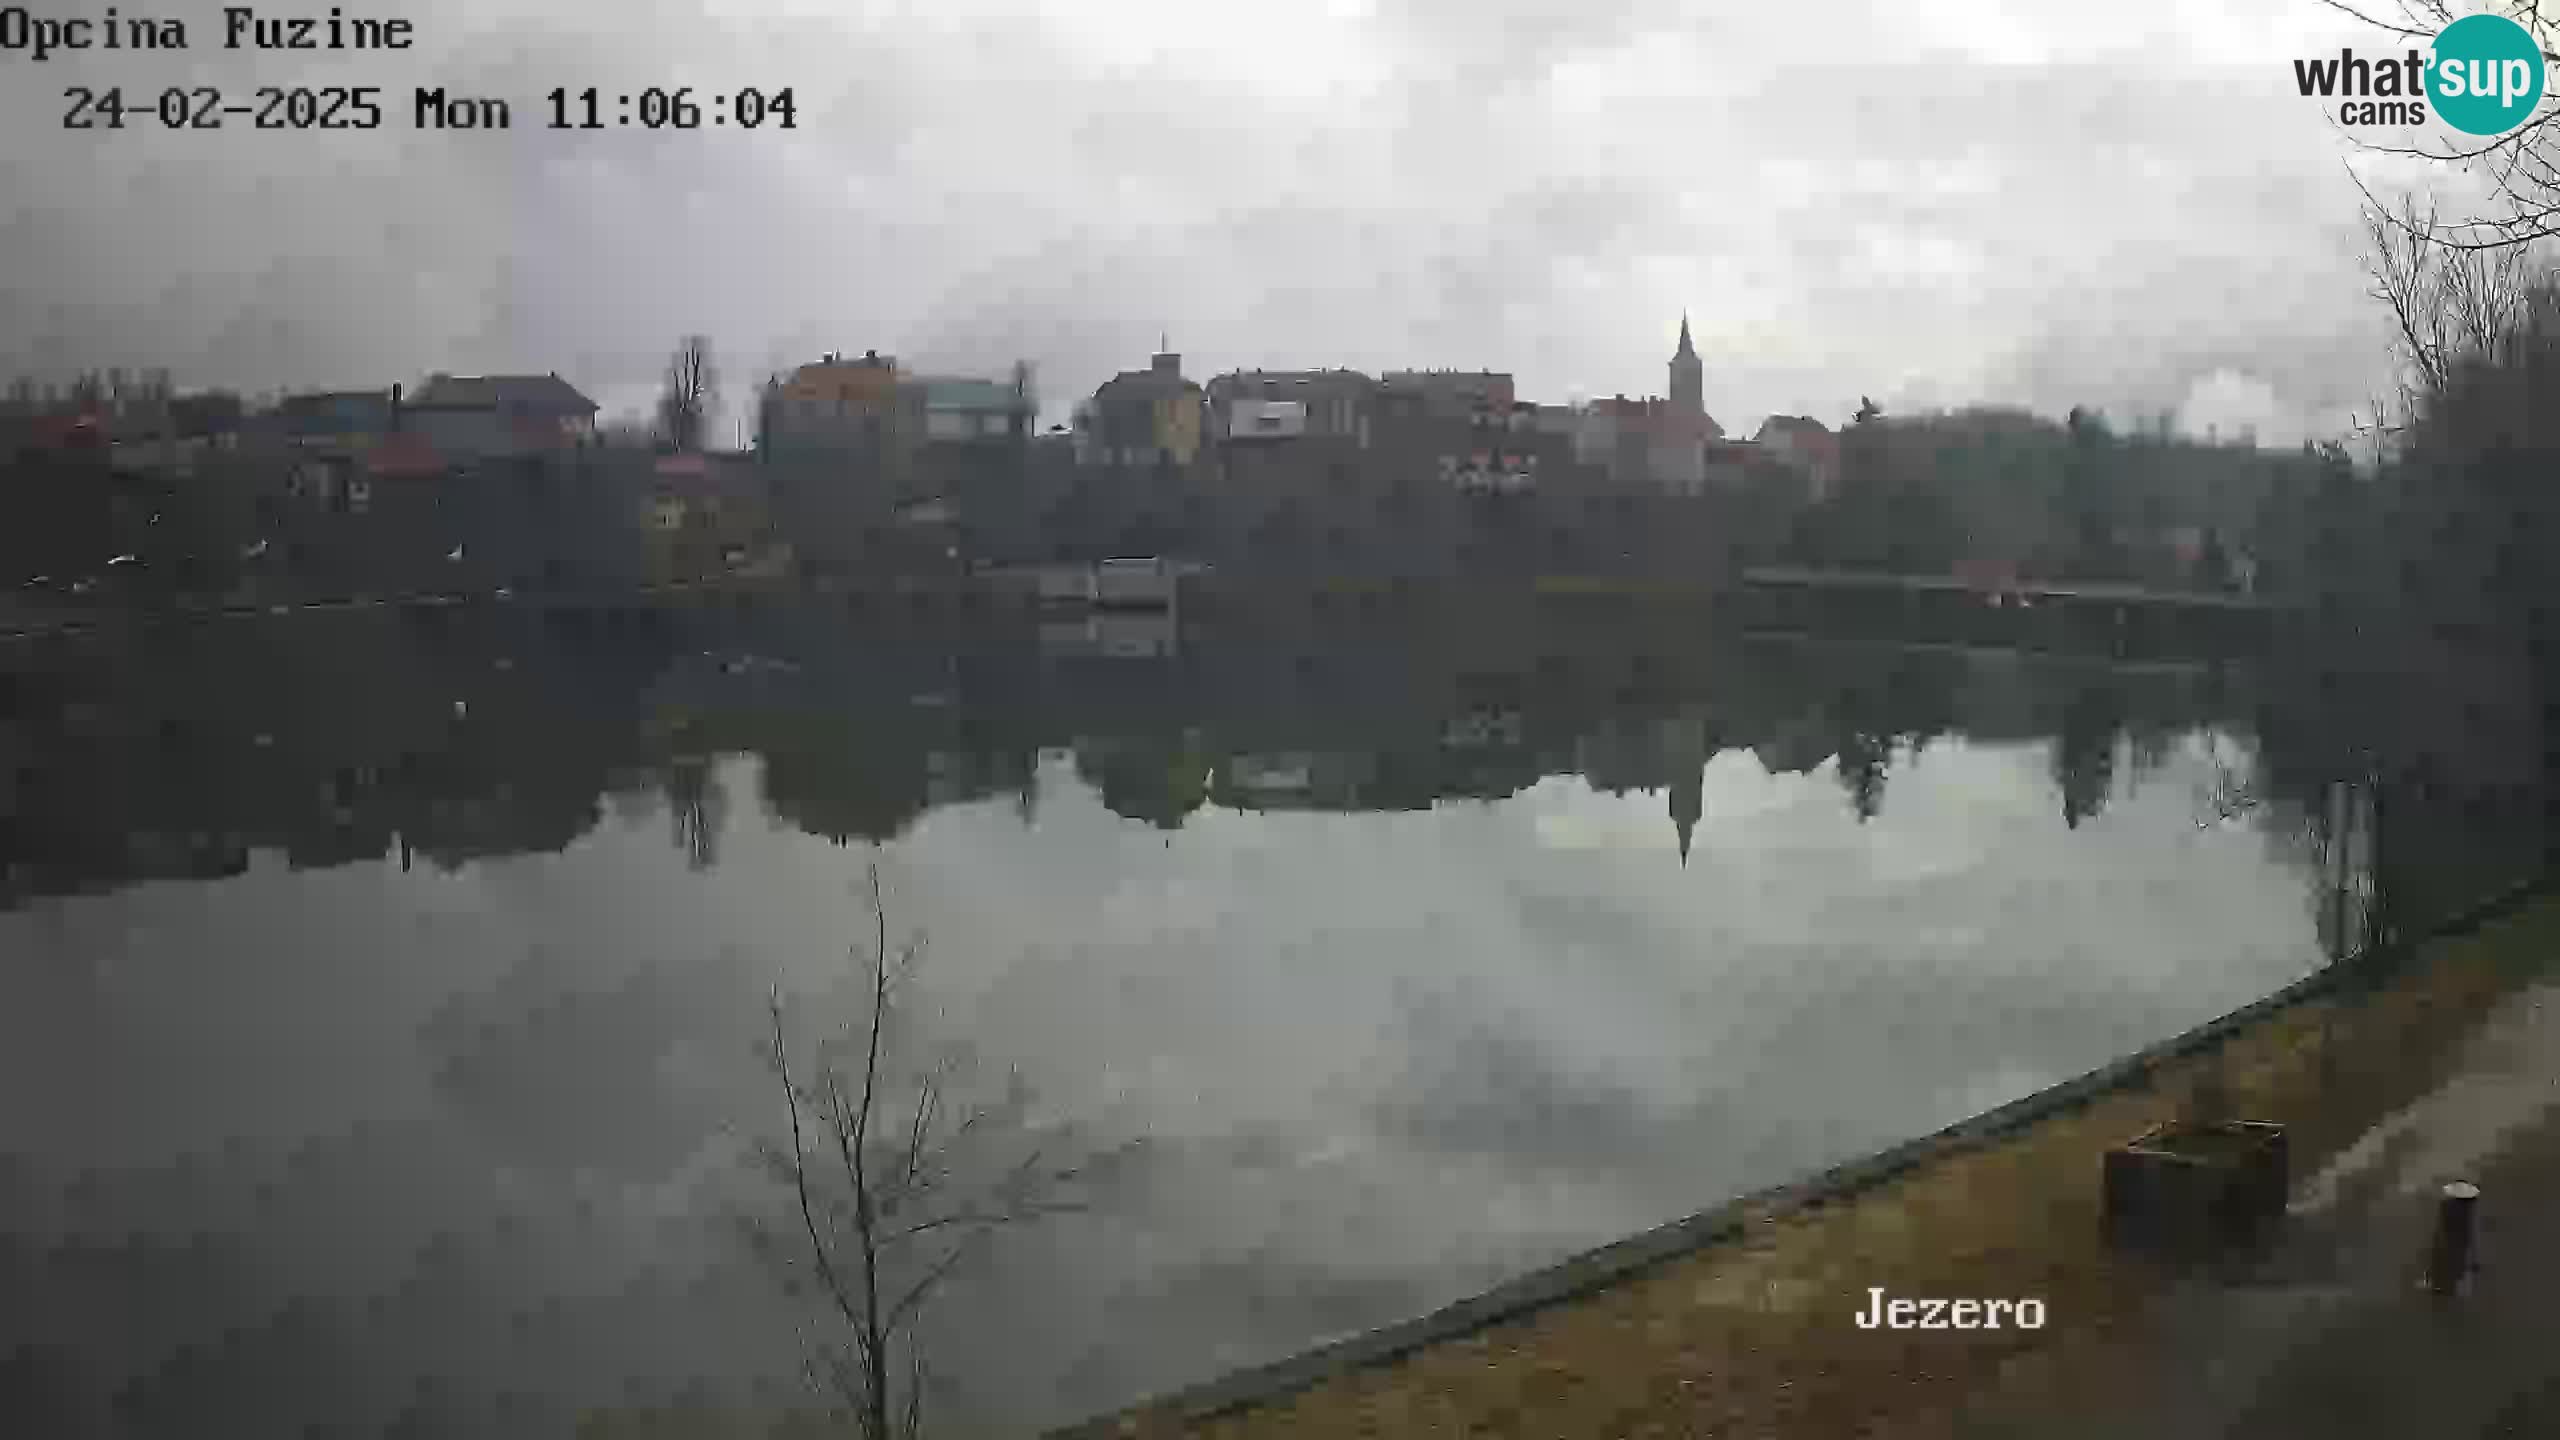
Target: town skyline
x: 735, y: 404
x: 1831, y: 214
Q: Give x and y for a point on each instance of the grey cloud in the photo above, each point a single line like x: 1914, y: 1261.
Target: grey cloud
x: 561, y: 1078
x: 968, y: 187
x: 1481, y: 1084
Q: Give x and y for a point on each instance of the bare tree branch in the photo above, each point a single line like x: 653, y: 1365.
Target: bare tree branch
x: 923, y: 1123
x: 914, y: 1414
x: 990, y: 1219
x: 2452, y: 305
x: 691, y: 392
x: 2525, y: 181
x: 799, y: 1165
x: 924, y: 1284
x: 891, y: 1161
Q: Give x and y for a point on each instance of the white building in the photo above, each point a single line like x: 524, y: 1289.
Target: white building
x: 1333, y: 404
x: 1265, y: 419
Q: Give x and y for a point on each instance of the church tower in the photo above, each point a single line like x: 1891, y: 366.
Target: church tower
x: 1688, y: 377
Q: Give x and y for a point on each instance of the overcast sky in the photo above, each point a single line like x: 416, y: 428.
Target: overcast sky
x: 1934, y: 202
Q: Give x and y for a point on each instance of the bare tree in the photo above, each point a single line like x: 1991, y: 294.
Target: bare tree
x: 2466, y: 320
x: 2522, y: 166
x: 887, y: 1201
x: 686, y: 403
x: 2450, y: 304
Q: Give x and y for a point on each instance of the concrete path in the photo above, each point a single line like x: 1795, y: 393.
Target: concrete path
x: 2334, y: 1335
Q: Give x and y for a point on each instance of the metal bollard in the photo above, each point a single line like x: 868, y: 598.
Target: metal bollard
x: 2456, y: 1217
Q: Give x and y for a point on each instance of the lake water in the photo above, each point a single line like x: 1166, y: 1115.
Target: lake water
x: 379, y: 995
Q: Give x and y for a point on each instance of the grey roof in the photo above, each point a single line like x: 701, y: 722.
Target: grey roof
x: 331, y: 399
x: 1799, y: 424
x: 542, y: 393
x: 1289, y: 384
x: 336, y: 410
x: 1298, y: 377
x: 1142, y: 380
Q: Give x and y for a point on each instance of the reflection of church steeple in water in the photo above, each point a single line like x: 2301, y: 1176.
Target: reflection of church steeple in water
x: 1685, y: 750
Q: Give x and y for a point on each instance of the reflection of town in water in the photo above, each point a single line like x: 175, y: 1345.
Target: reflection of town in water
x: 452, y: 737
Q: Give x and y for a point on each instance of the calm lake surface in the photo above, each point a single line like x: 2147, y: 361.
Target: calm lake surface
x: 379, y: 994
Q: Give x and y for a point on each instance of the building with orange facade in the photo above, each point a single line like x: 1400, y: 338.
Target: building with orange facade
x: 834, y: 403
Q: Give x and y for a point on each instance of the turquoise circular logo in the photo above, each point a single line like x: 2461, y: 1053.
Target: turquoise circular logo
x: 2487, y: 75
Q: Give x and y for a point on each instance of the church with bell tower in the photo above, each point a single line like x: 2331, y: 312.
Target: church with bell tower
x: 1680, y: 427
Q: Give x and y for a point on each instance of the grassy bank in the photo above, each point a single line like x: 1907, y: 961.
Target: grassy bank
x: 1754, y: 1336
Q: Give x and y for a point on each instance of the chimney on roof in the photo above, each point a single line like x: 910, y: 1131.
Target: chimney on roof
x: 395, y: 404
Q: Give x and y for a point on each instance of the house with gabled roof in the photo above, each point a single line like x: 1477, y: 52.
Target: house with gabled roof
x: 492, y: 416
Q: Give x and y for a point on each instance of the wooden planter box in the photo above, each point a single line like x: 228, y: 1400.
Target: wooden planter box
x: 2205, y: 1183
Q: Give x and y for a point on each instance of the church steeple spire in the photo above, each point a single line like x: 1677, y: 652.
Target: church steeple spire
x: 1688, y: 376
x: 1687, y: 749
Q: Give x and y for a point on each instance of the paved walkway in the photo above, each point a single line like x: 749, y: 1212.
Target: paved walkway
x: 2333, y: 1335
